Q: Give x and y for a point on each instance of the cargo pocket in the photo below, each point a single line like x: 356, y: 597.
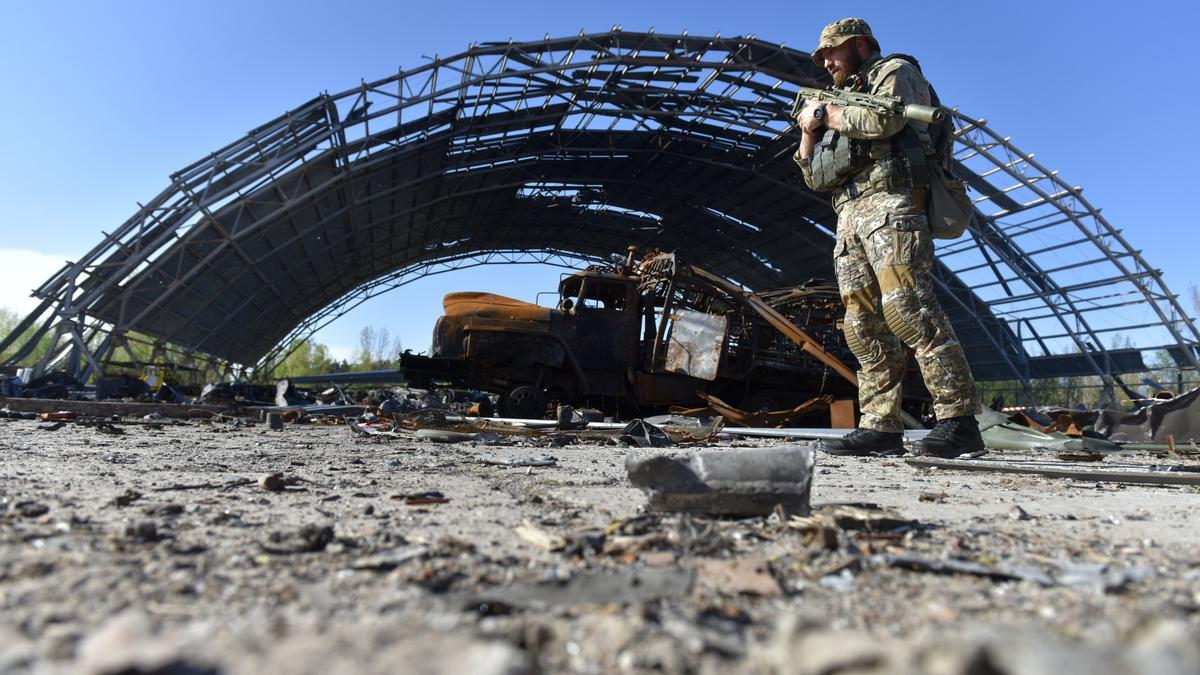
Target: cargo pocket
x: 909, y: 234
x: 839, y: 248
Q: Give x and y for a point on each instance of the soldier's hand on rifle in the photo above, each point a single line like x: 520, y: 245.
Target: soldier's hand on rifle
x: 811, y: 118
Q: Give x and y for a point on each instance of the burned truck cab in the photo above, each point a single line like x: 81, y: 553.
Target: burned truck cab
x: 602, y: 307
x: 528, y: 354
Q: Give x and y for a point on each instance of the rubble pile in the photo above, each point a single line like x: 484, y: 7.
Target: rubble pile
x: 372, y: 538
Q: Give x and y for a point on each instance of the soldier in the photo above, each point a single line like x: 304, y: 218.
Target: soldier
x: 877, y: 169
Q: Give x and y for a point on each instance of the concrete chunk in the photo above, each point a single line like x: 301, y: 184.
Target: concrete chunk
x: 743, y: 482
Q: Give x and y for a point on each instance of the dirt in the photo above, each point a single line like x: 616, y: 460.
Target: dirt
x: 174, y: 547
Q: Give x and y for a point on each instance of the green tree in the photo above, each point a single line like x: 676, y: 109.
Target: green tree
x: 308, y: 358
x: 8, y: 322
x: 376, y: 350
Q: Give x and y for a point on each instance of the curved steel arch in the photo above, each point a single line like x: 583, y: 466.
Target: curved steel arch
x: 571, y: 149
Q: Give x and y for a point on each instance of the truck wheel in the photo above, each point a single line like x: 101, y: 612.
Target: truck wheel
x: 759, y: 403
x: 524, y: 402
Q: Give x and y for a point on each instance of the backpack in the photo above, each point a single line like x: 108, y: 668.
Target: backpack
x: 948, y: 207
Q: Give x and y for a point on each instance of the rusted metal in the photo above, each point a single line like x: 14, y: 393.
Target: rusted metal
x: 695, y: 344
x: 773, y: 419
x: 492, y: 306
x: 648, y: 333
x: 781, y: 324
x: 841, y: 414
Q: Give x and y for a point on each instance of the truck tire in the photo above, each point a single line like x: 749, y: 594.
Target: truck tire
x: 524, y: 402
x: 759, y: 402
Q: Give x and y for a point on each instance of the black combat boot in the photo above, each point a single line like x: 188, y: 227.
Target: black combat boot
x: 950, y: 438
x: 866, y: 443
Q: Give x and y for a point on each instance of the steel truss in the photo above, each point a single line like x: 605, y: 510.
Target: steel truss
x: 563, y: 150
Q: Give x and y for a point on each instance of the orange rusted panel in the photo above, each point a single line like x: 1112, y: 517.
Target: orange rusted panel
x: 841, y: 414
x: 492, y: 306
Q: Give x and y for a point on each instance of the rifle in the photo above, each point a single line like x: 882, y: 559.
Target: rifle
x: 884, y: 105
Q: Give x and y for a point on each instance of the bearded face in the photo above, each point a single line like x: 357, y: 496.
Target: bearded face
x: 843, y: 61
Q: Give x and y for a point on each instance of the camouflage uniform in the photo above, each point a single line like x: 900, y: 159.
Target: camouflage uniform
x: 883, y: 258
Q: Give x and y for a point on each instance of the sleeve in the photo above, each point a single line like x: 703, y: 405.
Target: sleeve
x: 805, y: 168
x: 901, y: 80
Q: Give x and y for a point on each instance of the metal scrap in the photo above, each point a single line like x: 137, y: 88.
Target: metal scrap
x: 774, y: 419
x: 1178, y: 417
x: 540, y: 460
x: 1144, y: 477
x: 750, y: 482
x: 644, y: 435
x: 1000, y: 433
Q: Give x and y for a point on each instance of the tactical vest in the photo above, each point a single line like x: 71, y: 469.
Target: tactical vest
x: 898, y: 162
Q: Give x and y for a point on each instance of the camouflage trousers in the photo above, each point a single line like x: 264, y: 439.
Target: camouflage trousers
x: 883, y: 259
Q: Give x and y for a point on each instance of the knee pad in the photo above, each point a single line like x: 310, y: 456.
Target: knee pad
x: 854, y: 343
x: 866, y: 341
x: 907, y: 323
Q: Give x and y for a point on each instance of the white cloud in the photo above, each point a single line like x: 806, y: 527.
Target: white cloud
x: 21, y: 271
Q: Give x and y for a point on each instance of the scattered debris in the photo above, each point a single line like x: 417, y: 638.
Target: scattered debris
x: 423, y: 498
x: 1100, y: 577
x: 857, y: 517
x: 540, y: 538
x: 30, y: 509
x: 126, y: 498
x: 605, y: 588
x: 272, y: 482
x: 227, y: 485
x: 1178, y: 418
x: 775, y: 419
x: 1146, y: 477
x: 749, y: 482
x: 443, y: 436
x: 570, y: 419
x: 144, y: 532
x: 970, y: 567
x: 672, y: 590
x: 389, y: 561
x: 642, y: 434
x: 1000, y: 433
x: 539, y: 460
x: 739, y: 576
x: 308, y: 539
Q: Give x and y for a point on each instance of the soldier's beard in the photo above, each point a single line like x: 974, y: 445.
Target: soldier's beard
x: 846, y: 69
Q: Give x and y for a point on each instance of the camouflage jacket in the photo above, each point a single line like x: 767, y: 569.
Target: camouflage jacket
x: 889, y: 77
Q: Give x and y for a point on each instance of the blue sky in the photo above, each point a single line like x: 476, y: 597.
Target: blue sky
x: 104, y: 100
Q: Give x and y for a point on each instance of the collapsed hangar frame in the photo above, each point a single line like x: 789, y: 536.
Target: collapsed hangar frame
x: 561, y: 151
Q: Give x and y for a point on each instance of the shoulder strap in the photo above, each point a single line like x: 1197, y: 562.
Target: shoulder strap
x: 939, y: 133
x: 898, y: 57
x: 903, y: 57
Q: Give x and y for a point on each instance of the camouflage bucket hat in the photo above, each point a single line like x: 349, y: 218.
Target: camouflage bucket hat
x: 838, y: 32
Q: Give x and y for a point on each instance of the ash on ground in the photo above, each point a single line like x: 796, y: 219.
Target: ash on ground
x: 231, y: 548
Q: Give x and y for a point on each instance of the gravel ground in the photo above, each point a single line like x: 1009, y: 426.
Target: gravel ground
x: 157, y: 550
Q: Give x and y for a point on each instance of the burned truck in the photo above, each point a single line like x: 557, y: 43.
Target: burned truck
x: 641, y: 335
